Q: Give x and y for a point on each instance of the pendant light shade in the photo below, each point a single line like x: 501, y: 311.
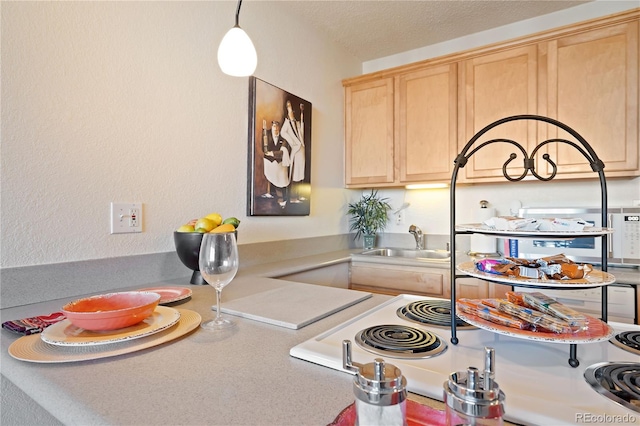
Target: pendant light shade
x: 236, y: 55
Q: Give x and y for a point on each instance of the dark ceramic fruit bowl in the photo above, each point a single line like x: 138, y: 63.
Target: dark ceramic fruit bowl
x: 188, y: 249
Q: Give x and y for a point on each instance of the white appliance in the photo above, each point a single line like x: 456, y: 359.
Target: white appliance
x: 624, y: 250
x: 623, y: 244
x: 541, y: 388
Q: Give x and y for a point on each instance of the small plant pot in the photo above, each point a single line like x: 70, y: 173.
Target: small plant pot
x: 369, y: 241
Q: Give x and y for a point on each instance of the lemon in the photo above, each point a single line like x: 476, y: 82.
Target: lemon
x: 216, y: 218
x: 186, y: 228
x: 204, y: 224
x: 232, y: 220
x: 227, y: 227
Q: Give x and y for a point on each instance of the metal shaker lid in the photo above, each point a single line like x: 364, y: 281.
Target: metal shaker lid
x: 376, y: 383
x: 474, y: 394
x: 379, y: 383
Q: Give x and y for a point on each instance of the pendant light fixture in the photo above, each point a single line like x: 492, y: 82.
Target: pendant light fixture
x: 236, y: 54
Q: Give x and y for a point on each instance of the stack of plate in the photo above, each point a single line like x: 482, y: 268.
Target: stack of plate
x: 64, y: 342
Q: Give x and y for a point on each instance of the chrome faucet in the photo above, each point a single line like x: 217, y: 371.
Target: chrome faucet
x: 417, y: 234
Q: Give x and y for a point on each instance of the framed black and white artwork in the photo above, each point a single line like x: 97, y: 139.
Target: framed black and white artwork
x: 279, y: 160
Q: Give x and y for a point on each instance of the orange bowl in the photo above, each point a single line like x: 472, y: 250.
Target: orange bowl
x: 111, y: 311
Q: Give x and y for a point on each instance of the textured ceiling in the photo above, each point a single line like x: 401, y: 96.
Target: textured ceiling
x: 377, y: 28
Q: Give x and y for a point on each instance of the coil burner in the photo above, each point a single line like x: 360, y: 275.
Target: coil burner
x: 400, y: 341
x: 431, y: 312
x: 627, y: 340
x: 618, y: 381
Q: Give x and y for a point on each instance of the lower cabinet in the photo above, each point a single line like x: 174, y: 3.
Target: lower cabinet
x: 423, y: 281
x: 329, y: 276
x: 394, y: 280
x: 473, y: 288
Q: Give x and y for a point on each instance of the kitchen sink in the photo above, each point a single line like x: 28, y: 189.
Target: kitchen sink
x: 432, y: 255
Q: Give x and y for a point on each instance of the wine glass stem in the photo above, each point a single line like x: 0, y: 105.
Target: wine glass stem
x: 218, y: 298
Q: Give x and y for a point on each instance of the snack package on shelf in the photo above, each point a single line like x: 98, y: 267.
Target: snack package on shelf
x: 494, y: 266
x: 528, y: 272
x: 574, y: 271
x: 557, y: 267
x: 479, y: 309
x: 515, y: 297
x: 551, y: 306
x: 536, y: 318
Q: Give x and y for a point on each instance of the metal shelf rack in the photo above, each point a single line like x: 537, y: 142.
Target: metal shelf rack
x: 529, y: 166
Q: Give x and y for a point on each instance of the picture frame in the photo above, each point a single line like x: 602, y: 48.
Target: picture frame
x: 279, y: 152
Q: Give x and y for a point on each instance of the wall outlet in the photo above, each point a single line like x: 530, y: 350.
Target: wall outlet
x: 126, y: 218
x: 400, y: 217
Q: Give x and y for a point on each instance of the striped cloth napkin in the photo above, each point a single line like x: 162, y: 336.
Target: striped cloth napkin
x: 33, y: 325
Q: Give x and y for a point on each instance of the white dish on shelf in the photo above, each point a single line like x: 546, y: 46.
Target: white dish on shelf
x: 597, y: 331
x: 64, y: 333
x: 557, y: 235
x: 595, y: 278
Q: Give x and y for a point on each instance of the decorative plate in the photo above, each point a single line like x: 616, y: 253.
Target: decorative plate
x: 33, y: 349
x: 555, y: 235
x: 595, y: 278
x: 597, y: 331
x: 417, y: 415
x: 66, y: 334
x: 170, y: 294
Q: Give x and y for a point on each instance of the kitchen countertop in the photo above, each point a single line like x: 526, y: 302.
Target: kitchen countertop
x: 246, y: 377
x: 243, y: 378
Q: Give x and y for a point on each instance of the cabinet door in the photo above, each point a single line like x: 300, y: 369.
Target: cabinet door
x: 394, y: 280
x: 496, y: 86
x: 426, y: 131
x: 592, y: 86
x: 369, y: 156
x: 473, y: 288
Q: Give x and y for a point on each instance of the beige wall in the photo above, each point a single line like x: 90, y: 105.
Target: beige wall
x: 124, y: 101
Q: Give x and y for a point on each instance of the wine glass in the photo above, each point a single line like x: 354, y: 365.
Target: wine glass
x: 218, y: 262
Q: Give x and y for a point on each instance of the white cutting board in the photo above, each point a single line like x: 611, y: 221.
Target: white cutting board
x: 293, y: 305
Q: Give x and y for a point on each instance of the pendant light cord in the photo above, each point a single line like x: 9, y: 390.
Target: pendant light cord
x: 238, y: 14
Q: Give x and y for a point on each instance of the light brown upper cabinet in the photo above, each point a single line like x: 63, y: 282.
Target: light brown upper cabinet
x: 401, y: 129
x: 494, y: 86
x: 592, y: 86
x: 407, y: 124
x: 369, y: 132
x: 426, y: 130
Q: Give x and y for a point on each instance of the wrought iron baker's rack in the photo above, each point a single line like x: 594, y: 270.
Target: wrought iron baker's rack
x: 529, y: 166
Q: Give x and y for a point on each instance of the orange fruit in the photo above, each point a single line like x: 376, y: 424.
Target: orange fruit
x: 227, y: 227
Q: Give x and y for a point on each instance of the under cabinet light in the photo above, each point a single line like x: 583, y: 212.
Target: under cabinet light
x: 427, y: 186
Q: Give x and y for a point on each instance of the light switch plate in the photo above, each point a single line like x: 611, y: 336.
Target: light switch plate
x: 126, y: 218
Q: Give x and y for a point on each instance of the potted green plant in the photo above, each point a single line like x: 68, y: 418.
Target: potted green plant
x: 368, y: 216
